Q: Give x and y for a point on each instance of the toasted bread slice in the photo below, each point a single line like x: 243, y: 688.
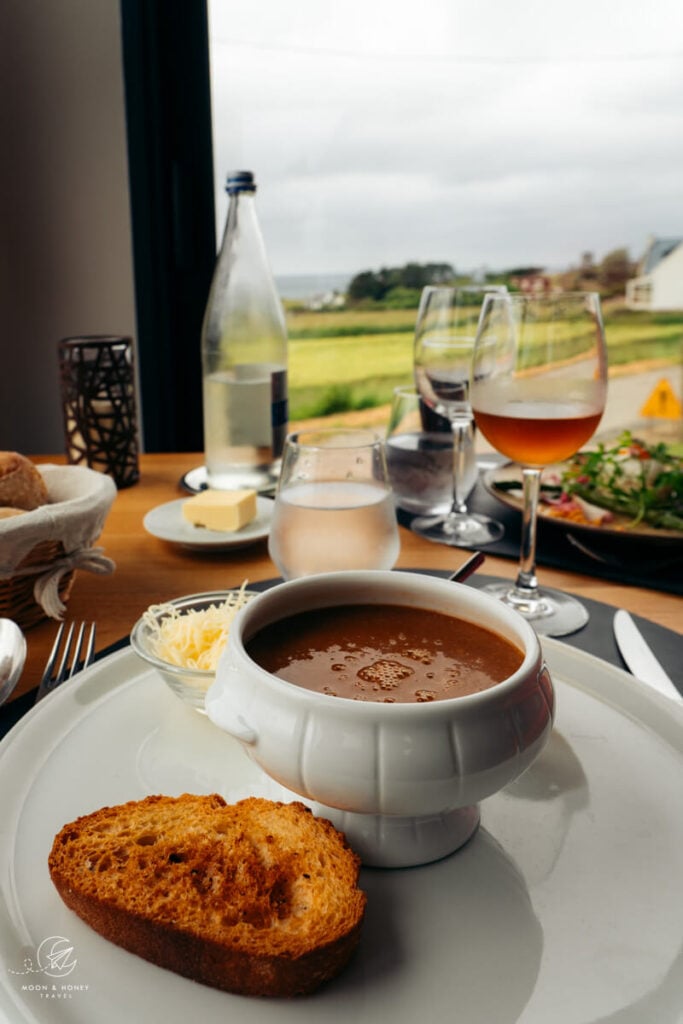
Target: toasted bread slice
x: 256, y: 897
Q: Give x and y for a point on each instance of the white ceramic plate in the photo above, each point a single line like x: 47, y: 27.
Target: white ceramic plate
x: 566, y: 906
x: 166, y: 522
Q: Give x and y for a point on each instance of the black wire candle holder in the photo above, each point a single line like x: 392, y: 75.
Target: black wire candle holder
x: 97, y: 376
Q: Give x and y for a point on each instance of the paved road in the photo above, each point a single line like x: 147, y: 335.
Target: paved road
x: 628, y: 393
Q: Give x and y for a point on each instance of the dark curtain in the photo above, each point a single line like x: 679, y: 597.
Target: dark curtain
x: 168, y: 109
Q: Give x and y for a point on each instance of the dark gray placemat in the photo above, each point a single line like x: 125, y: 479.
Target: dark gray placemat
x: 597, y: 638
x: 625, y: 560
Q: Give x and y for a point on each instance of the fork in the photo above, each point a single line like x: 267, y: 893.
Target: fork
x: 74, y: 654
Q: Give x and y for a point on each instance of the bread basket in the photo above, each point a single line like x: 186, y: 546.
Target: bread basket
x: 41, y: 550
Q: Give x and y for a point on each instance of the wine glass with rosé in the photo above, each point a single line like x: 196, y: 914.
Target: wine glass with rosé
x: 538, y: 390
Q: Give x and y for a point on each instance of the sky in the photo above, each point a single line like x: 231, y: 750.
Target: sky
x: 486, y: 134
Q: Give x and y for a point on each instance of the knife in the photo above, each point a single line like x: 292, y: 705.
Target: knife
x: 639, y: 658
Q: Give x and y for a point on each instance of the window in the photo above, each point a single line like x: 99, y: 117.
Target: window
x: 486, y: 136
x: 483, y: 135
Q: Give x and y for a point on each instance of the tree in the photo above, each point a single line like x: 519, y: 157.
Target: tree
x: 376, y: 285
x: 530, y: 271
x: 615, y: 270
x: 413, y: 276
x: 366, y: 285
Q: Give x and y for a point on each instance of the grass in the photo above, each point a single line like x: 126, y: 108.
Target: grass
x: 305, y: 324
x: 346, y: 360
x: 343, y: 374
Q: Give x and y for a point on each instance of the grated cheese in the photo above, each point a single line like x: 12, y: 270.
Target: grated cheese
x: 192, y: 639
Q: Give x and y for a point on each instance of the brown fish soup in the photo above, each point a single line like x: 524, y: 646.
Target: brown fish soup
x: 386, y: 653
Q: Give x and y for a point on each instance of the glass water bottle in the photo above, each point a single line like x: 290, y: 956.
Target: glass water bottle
x: 244, y: 354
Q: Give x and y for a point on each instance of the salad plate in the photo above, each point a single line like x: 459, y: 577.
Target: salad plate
x: 505, y: 484
x: 565, y: 906
x: 623, y: 489
x: 167, y: 523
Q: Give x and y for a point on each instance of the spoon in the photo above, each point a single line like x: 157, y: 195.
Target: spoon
x: 468, y: 567
x: 12, y: 656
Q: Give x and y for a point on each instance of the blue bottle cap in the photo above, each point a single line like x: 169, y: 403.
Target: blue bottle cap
x: 240, y: 181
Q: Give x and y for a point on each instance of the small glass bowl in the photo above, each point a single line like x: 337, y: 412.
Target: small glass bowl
x: 187, y: 683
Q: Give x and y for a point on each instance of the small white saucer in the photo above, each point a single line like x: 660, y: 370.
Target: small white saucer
x: 196, y: 480
x: 167, y: 523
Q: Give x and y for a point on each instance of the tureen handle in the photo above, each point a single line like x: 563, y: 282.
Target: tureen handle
x: 233, y: 723
x: 237, y: 727
x: 220, y: 709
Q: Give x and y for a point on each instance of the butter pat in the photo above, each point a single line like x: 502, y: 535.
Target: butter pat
x: 226, y: 511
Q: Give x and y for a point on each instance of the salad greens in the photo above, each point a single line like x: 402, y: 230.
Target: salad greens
x: 631, y: 478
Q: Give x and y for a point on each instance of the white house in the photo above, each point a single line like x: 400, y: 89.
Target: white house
x: 659, y: 285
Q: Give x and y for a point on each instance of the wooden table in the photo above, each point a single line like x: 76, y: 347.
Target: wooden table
x: 149, y: 570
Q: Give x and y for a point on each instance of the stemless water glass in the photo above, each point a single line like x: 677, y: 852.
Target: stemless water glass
x: 444, y: 341
x: 420, y: 459
x: 334, y: 508
x: 538, y: 392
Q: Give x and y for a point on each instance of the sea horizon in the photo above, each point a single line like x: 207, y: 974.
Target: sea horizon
x: 308, y: 286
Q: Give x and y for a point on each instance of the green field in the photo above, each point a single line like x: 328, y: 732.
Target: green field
x: 352, y: 359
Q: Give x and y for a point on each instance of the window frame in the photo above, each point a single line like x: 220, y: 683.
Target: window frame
x: 167, y: 85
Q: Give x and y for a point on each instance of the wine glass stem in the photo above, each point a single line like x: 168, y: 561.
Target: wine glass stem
x: 526, y: 576
x: 461, y: 428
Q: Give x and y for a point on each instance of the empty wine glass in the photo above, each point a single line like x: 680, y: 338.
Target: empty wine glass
x: 444, y: 341
x: 538, y: 392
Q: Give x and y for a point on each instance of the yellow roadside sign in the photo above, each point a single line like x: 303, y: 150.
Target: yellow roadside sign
x: 662, y: 403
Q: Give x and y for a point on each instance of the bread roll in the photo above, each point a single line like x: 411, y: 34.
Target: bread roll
x: 9, y: 513
x: 21, y: 485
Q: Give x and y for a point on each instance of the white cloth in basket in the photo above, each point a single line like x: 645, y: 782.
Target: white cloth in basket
x: 80, y: 499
